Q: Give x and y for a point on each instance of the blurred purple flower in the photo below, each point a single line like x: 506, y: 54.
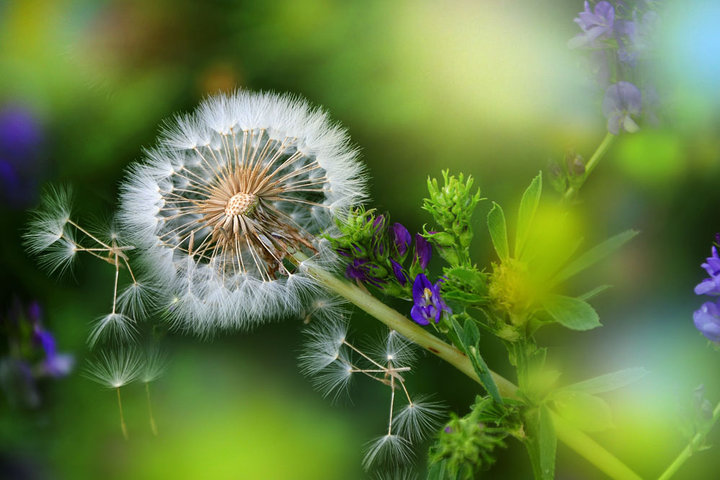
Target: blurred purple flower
x: 423, y: 251
x: 595, y: 24
x: 622, y: 101
x: 401, y: 237
x: 20, y: 138
x: 710, y: 286
x: 428, y: 304
x: 707, y: 321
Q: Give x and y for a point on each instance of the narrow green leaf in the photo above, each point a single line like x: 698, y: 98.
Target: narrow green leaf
x: 469, y: 336
x: 571, y: 312
x: 587, y: 412
x: 593, y: 293
x: 498, y: 231
x: 542, y: 442
x: 609, y: 381
x: 471, y: 332
x: 526, y: 213
x: 594, y: 255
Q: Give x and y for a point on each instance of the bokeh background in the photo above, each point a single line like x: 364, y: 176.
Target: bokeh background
x: 487, y: 88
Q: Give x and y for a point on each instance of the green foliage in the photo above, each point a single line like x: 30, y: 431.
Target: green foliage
x: 583, y: 410
x: 498, y: 231
x: 452, y: 207
x: 528, y: 206
x: 465, y: 447
x: 609, y: 381
x: 466, y: 285
x: 468, y: 337
x: 594, y: 255
x: 571, y: 312
x: 541, y: 442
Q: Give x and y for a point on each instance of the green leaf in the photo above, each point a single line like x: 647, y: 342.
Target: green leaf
x: 469, y: 337
x: 594, y: 255
x: 609, y: 381
x: 587, y: 412
x: 468, y: 276
x: 572, y: 313
x: 541, y: 443
x: 526, y: 213
x: 498, y: 231
x: 437, y: 471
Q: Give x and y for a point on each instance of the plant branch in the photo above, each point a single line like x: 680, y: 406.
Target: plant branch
x: 572, y: 437
x: 691, y: 447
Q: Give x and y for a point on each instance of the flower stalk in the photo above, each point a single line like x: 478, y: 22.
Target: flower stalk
x: 568, y: 434
x: 691, y: 447
x: 591, y: 164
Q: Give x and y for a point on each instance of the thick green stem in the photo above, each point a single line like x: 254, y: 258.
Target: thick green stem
x: 587, y: 448
x: 568, y: 434
x: 591, y: 164
x: 691, y: 447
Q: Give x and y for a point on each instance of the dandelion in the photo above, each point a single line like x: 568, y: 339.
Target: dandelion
x: 227, y: 199
x: 115, y: 369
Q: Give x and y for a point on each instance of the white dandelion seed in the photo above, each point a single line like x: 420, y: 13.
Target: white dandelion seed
x: 115, y: 368
x: 392, y: 449
x: 113, y: 326
x: 47, y: 223
x: 231, y: 193
x: 138, y: 299
x: 419, y: 418
x: 334, y: 380
x: 323, y: 345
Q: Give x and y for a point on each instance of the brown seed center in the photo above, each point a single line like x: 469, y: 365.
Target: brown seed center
x: 240, y: 204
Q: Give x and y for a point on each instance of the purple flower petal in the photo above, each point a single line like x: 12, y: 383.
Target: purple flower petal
x: 707, y: 321
x: 423, y: 251
x: 398, y: 271
x: 401, y: 238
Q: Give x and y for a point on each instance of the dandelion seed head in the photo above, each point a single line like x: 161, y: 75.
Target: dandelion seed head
x: 154, y: 364
x: 231, y: 193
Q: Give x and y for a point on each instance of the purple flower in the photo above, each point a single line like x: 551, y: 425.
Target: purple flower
x: 429, y: 305
x: 622, y: 101
x: 361, y: 269
x: 401, y: 237
x: 423, y: 251
x: 398, y: 271
x: 707, y: 320
x: 710, y: 286
x: 595, y: 24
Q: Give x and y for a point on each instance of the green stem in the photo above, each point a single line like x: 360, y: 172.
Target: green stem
x: 586, y: 447
x: 691, y: 447
x: 591, y: 164
x: 123, y: 427
x: 568, y: 434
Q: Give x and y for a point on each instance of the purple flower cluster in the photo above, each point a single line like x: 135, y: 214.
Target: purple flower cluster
x: 32, y: 355
x: 388, y: 257
x: 617, y: 37
x: 707, y: 318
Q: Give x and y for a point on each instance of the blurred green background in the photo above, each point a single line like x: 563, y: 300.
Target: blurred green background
x: 487, y: 88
